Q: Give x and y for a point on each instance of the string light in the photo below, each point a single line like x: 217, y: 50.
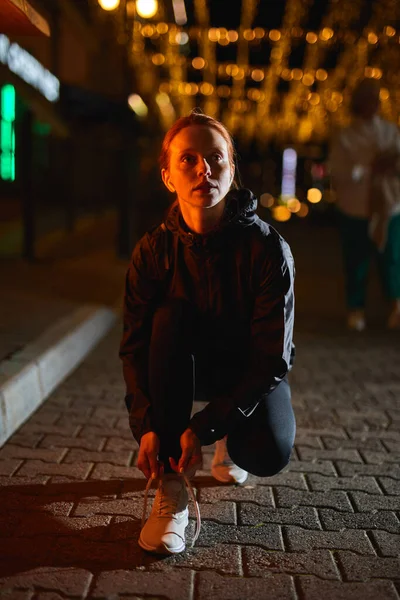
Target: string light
x: 146, y: 8
x: 109, y: 4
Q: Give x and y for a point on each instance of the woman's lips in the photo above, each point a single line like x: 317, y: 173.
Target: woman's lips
x: 205, y: 187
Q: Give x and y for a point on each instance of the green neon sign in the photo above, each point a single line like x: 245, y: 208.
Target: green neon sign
x: 7, y: 133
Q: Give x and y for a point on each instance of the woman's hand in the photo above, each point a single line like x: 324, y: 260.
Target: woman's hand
x: 191, y: 458
x: 148, y: 455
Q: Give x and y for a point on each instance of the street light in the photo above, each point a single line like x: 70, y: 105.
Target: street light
x: 146, y: 8
x: 109, y: 4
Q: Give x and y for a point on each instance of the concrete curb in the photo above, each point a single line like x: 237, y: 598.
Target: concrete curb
x: 29, y: 376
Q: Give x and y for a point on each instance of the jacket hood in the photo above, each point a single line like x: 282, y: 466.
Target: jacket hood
x: 240, y: 209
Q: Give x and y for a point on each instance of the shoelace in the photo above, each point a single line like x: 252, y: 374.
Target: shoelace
x: 192, y: 496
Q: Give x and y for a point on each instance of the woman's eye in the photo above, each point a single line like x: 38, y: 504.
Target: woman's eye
x: 187, y: 158
x: 217, y: 157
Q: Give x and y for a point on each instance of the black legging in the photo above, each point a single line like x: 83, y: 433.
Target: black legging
x: 184, y: 366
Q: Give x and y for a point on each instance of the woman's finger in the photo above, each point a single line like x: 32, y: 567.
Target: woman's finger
x: 144, y: 466
x: 185, y: 459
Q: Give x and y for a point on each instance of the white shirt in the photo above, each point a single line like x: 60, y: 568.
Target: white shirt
x: 352, y: 153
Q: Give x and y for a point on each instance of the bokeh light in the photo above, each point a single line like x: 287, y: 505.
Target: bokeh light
x: 146, y: 8
x: 109, y: 4
x: 267, y: 200
x: 281, y: 213
x: 314, y: 195
x: 303, y: 210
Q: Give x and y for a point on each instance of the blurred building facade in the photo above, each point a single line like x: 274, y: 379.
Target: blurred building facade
x: 66, y: 129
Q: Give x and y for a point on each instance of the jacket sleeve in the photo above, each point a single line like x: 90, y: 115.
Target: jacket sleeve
x: 141, y: 288
x: 270, y: 353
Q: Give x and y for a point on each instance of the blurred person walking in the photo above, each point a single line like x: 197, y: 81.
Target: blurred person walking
x: 365, y: 169
x: 208, y: 315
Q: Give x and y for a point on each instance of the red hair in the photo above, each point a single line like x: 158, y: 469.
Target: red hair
x: 197, y: 118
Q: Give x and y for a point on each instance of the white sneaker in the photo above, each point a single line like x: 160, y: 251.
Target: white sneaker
x: 356, y: 320
x: 164, y: 530
x: 223, y: 468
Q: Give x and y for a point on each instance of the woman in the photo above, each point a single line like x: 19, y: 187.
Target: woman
x: 208, y: 314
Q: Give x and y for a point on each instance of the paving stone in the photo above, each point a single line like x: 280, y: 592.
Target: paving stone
x: 268, y: 536
x: 336, y: 454
x: 338, y: 500
x: 130, y: 507
x: 16, y: 481
x: 297, y: 539
x: 250, y: 514
x: 26, y: 441
x: 315, y: 589
x: 308, y: 441
x: 31, y: 468
x: 370, y: 502
x: 388, y: 544
x: 31, y: 428
x: 54, y: 441
x: 322, y: 483
x: 92, y: 527
x: 222, y: 558
x: 362, y: 443
x: 251, y: 493
x: 364, y: 568
x: 391, y: 445
x: 391, y: 486
x: 114, y: 458
x: 378, y: 434
x: 338, y: 521
x: 107, y: 471
x: 69, y: 581
x: 222, y: 512
x: 9, y: 466
x: 323, y: 467
x: 337, y: 432
x: 12, y: 594
x: 115, y: 444
x: 379, y: 458
x: 346, y: 469
x: 89, y: 553
x: 261, y: 563
x: 37, y: 502
x: 45, y: 416
x: 284, y: 479
x: 104, y: 431
x: 177, y: 585
x: 212, y: 585
x: 51, y: 456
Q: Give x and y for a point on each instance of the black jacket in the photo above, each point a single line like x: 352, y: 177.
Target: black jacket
x: 242, y: 276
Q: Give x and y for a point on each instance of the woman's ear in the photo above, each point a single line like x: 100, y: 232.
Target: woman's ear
x: 167, y: 180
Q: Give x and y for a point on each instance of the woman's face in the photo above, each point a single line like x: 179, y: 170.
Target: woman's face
x: 199, y: 169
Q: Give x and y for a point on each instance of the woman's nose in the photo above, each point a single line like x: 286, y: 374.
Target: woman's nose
x: 204, y: 168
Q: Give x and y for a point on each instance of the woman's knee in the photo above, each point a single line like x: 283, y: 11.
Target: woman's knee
x: 263, y: 460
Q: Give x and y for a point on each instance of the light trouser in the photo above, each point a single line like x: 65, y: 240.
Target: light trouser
x: 182, y: 369
x: 358, y: 249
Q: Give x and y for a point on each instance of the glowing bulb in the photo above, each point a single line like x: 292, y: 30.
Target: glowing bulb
x: 109, y: 4
x: 146, y: 8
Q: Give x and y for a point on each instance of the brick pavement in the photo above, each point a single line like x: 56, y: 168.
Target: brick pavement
x: 327, y: 527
